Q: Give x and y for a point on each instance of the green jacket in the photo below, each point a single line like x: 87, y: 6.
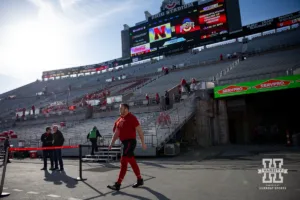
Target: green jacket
x: 94, y: 133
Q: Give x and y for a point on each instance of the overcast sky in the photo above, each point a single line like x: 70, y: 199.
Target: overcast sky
x: 39, y: 35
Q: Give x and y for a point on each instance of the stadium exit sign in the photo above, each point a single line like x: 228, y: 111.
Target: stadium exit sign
x: 279, y: 83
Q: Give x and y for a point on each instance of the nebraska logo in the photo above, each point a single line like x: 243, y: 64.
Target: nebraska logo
x: 170, y: 4
x: 232, y: 89
x: 272, y: 83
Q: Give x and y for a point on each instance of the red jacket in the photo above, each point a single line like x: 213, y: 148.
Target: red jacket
x: 183, y: 82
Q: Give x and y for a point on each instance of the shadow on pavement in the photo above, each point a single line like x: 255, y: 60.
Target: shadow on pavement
x: 113, y: 193
x: 129, y: 195
x: 100, y: 193
x: 155, y: 193
x: 152, y: 164
x: 58, y: 178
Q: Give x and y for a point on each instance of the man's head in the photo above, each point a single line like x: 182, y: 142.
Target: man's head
x: 124, y: 109
x: 95, y: 128
x: 55, y: 128
x: 48, y: 129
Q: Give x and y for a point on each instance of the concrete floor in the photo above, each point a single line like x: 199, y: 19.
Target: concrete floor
x: 231, y: 175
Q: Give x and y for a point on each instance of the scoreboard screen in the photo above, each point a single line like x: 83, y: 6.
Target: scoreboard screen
x: 212, y: 19
x: 183, y: 29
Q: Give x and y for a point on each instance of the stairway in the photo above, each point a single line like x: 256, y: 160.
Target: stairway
x: 245, y: 48
x: 179, y: 115
x: 104, y: 155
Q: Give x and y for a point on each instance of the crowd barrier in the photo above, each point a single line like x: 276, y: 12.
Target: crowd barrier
x: 5, y: 155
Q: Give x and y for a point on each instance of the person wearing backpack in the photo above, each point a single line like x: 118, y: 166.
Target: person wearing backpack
x: 92, y: 136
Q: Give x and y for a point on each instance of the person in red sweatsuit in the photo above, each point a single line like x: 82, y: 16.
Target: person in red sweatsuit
x: 125, y: 129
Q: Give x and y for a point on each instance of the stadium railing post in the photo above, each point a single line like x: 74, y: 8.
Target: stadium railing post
x: 80, y: 165
x: 4, y: 194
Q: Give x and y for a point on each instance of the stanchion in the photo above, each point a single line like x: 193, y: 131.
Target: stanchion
x: 80, y: 165
x: 4, y: 194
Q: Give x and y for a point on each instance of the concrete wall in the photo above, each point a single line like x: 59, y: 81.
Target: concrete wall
x: 221, y: 122
x: 211, y: 123
x: 203, y: 132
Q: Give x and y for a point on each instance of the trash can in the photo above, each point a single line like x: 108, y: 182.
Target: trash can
x: 33, y: 154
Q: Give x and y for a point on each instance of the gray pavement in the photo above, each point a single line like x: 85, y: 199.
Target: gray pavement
x: 220, y: 175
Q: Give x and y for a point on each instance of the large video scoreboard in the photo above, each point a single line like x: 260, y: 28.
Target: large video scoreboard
x: 179, y: 29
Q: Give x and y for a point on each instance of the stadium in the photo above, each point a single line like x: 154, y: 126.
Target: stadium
x: 193, y: 76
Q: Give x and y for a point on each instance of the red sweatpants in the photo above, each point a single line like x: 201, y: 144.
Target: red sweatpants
x: 124, y: 164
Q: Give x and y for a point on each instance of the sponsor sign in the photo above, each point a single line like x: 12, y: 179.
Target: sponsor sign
x: 257, y: 86
x: 142, y: 49
x: 288, y: 22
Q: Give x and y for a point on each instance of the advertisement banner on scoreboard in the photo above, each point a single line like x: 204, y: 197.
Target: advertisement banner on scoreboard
x: 212, y: 19
x: 288, y: 23
x: 279, y: 83
x: 139, y: 50
x: 139, y: 35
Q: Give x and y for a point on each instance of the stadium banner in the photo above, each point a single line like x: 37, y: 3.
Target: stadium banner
x: 280, y: 83
x: 269, y: 24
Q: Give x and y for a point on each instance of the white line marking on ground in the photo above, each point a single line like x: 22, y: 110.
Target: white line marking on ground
x: 31, y: 192
x: 71, y: 198
x: 17, y: 190
x: 53, y: 195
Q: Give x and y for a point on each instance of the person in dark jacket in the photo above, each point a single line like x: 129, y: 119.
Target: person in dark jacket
x: 6, y: 145
x: 167, y: 100
x: 92, y: 136
x: 47, y: 139
x: 58, y: 140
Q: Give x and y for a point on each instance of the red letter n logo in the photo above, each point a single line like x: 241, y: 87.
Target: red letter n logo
x: 159, y: 31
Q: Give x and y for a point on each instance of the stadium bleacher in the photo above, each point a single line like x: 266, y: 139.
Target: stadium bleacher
x: 261, y: 67
x: 202, y: 66
x: 79, y: 129
x: 26, y: 95
x: 290, y: 37
x: 169, y: 81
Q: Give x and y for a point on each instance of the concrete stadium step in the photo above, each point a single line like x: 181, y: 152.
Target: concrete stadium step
x: 104, y: 154
x: 95, y: 159
x: 101, y: 156
x: 106, y: 149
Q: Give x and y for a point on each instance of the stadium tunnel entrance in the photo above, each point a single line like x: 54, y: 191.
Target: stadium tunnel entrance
x: 263, y: 118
